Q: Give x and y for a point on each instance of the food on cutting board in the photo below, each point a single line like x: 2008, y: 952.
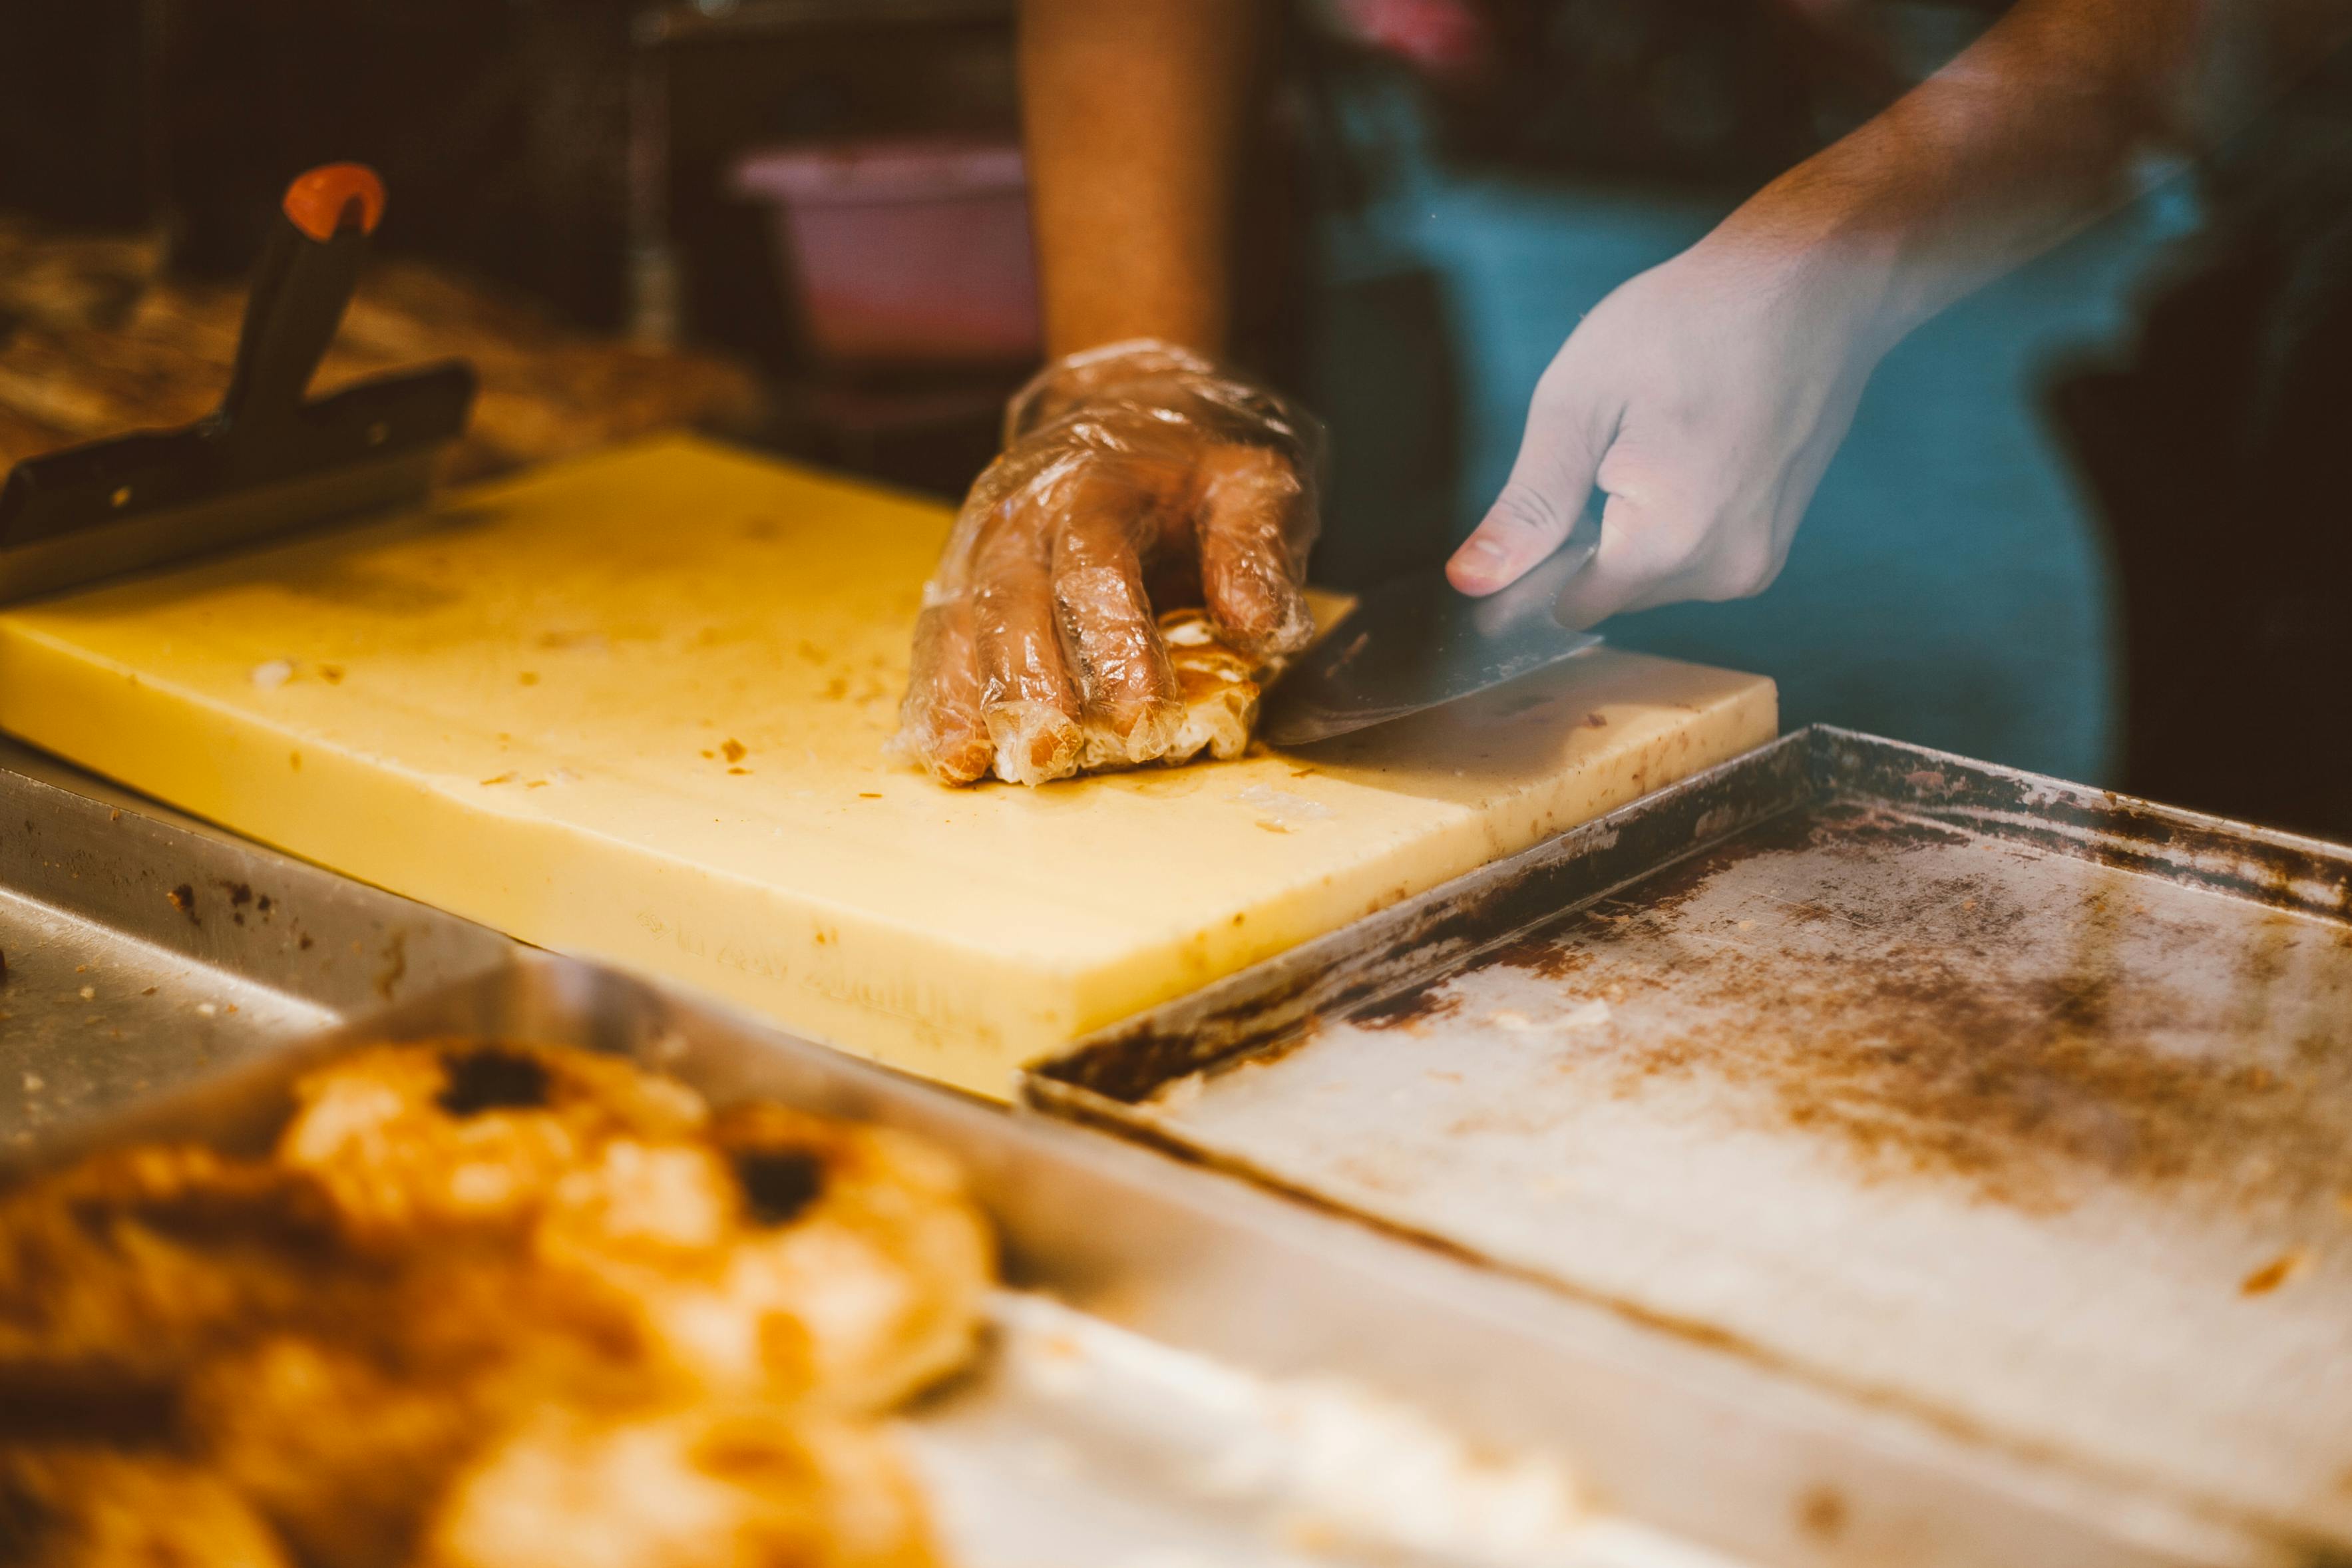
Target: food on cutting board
x: 483, y: 1303
x: 1217, y: 689
x: 1134, y: 475
x: 1218, y: 686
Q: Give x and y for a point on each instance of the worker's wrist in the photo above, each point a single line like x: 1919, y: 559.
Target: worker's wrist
x: 1838, y: 277
x: 1147, y: 394
x: 1096, y: 371
x: 1190, y: 317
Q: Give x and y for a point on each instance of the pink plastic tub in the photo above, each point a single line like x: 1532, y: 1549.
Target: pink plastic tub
x: 905, y: 251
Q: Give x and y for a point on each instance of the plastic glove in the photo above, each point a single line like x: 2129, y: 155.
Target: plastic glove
x: 1134, y: 474
x: 1704, y: 399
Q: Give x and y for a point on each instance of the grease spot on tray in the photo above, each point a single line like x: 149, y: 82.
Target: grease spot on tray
x: 1929, y: 1013
x: 1419, y: 1005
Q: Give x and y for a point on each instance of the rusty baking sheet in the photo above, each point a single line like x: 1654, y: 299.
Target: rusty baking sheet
x: 138, y: 949
x: 2016, y: 1109
x: 1185, y: 1371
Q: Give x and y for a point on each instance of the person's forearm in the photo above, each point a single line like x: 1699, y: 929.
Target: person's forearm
x: 1133, y: 111
x: 2032, y: 132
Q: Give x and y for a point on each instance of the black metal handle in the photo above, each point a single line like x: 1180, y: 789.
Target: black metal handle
x: 308, y: 269
x: 266, y: 449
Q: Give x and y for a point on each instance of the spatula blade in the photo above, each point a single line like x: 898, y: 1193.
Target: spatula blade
x: 1416, y: 642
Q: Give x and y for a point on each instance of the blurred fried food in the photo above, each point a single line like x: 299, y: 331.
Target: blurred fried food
x: 126, y: 1267
x: 82, y: 1507
x: 96, y: 339
x: 485, y: 1302
x: 468, y: 1131
x: 844, y: 1270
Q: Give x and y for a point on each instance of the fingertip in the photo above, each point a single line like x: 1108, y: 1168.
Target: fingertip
x: 1294, y: 623
x: 960, y: 760
x: 1482, y: 566
x: 939, y: 725
x: 1256, y: 520
x: 1253, y: 602
x: 1033, y: 742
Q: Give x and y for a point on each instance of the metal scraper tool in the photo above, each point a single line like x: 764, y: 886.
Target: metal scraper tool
x: 1416, y: 642
x: 269, y: 459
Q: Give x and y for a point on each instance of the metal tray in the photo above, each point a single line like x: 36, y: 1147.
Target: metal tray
x: 1188, y: 1371
x: 141, y: 949
x: 2018, y: 1112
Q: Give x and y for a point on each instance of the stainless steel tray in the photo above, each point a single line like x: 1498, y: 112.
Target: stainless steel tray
x: 2017, y: 1113
x: 1189, y: 1371
x: 141, y: 950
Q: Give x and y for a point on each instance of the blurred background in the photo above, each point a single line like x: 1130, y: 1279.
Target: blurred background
x: 2085, y: 523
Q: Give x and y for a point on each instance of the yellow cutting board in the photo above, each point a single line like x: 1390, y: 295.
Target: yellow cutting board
x: 633, y: 707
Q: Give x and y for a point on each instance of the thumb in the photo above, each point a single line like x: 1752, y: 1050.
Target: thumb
x: 1548, y: 485
x: 1616, y: 577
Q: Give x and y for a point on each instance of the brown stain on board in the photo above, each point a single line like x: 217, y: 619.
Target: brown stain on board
x: 1934, y: 1038
x: 1822, y: 1512
x: 2275, y: 1273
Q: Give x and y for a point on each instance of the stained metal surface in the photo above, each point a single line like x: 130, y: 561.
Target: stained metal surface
x: 139, y: 952
x: 2018, y: 1110
x: 1188, y: 1371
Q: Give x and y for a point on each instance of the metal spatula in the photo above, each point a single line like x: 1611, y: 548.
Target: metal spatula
x: 1416, y: 642
x: 269, y: 459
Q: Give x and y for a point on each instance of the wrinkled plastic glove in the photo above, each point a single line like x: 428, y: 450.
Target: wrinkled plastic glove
x: 1133, y: 476
x: 1703, y: 399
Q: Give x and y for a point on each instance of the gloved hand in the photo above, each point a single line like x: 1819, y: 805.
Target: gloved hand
x: 1134, y: 475
x: 1704, y: 398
